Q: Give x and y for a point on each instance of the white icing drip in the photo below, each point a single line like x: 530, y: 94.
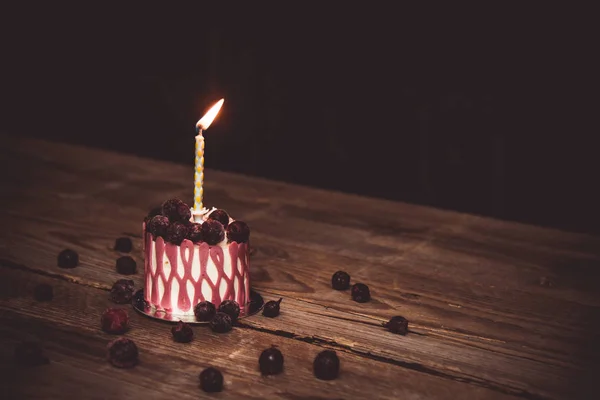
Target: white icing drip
x: 211, y: 270
x: 153, y: 258
x: 186, y: 252
x: 148, y: 294
x: 180, y: 267
x: 227, y: 269
x: 206, y: 290
x: 191, y: 291
x: 236, y: 285
x: 238, y: 265
x: 196, y: 264
x: 166, y: 267
x: 161, y: 288
x: 175, y: 296
x: 222, y: 288
x: 247, y: 283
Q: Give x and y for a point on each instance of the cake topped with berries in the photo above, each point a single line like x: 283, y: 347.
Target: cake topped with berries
x: 189, y: 260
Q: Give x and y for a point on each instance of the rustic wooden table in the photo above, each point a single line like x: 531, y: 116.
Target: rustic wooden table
x: 497, y: 310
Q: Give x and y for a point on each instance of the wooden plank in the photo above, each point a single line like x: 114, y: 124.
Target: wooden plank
x: 458, y: 278
x: 68, y: 328
x: 429, y: 312
x: 500, y: 263
x: 110, y: 175
x: 437, y: 350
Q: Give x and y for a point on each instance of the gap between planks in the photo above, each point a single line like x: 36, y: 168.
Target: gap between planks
x: 326, y: 342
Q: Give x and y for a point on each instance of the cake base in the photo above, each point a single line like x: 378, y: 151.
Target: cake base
x: 140, y: 305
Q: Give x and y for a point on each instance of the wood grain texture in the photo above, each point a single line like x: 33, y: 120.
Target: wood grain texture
x: 68, y: 328
x: 469, y: 285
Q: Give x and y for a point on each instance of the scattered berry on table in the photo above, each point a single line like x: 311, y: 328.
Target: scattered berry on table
x: 122, y: 291
x: 182, y: 332
x: 340, y: 280
x: 115, y: 320
x: 211, y: 380
x: 271, y: 308
x: 126, y: 265
x: 397, y: 325
x: 123, y: 244
x: 360, y: 293
x: 326, y: 365
x: 123, y: 353
x: 270, y: 361
x: 68, y: 259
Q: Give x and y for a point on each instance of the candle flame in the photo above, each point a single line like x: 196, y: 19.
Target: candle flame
x: 210, y: 115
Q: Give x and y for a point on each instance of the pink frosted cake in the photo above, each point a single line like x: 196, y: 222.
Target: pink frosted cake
x: 188, y: 262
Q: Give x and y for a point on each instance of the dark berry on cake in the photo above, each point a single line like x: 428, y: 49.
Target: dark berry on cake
x: 176, y: 232
x: 221, y: 216
x: 238, y: 231
x: 182, y: 332
x: 68, y: 259
x: 29, y: 354
x: 123, y: 353
x: 43, y: 292
x: 211, y: 380
x: 397, y: 325
x: 271, y: 308
x: 340, y: 280
x: 176, y: 210
x: 326, y: 365
x: 123, y: 244
x: 204, y: 311
x: 212, y: 232
x: 221, y: 323
x: 270, y: 361
x: 231, y: 308
x: 153, y: 212
x: 115, y: 320
x: 194, y: 232
x: 360, y: 293
x: 122, y: 291
x: 158, y: 226
x: 126, y: 265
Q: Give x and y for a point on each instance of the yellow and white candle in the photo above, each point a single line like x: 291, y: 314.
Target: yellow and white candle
x: 201, y: 125
x: 199, y: 172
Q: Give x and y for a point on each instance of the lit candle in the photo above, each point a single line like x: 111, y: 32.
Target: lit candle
x: 201, y: 125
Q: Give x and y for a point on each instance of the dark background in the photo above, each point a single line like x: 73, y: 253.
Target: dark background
x: 488, y: 111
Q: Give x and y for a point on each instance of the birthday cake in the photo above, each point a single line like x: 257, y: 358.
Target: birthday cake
x: 189, y: 259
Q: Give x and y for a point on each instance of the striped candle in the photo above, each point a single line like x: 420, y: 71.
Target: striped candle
x: 201, y: 125
x: 199, y: 172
